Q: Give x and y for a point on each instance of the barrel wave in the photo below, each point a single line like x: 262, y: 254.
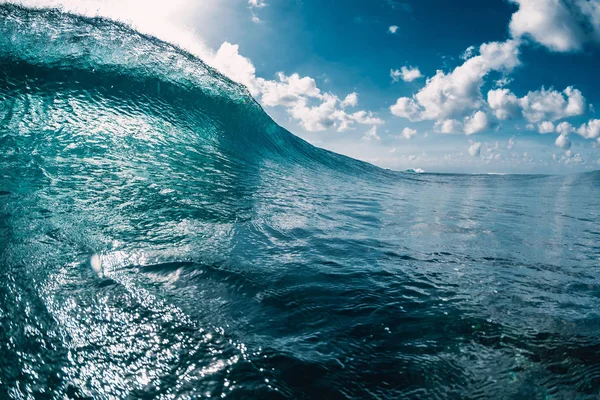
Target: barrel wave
x: 162, y: 237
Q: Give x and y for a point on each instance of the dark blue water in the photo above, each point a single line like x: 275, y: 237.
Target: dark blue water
x: 162, y: 237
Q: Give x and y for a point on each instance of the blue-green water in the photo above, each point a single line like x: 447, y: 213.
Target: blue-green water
x: 162, y: 237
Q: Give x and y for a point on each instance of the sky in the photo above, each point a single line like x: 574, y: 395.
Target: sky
x: 471, y: 86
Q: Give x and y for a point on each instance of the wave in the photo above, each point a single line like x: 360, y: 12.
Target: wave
x: 106, y: 76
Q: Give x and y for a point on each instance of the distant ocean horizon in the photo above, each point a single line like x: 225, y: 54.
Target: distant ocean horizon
x: 162, y: 237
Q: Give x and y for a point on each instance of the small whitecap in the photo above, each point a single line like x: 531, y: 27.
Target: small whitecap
x: 96, y: 264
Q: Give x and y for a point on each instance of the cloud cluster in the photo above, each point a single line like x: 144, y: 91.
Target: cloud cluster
x: 590, y: 130
x: 300, y: 96
x: 559, y: 25
x: 450, y: 96
x: 475, y: 123
x: 454, y: 101
x: 543, y: 107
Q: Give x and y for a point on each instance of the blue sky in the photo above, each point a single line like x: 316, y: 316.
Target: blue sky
x: 450, y: 86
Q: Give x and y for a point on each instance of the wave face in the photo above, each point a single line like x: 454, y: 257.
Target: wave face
x: 162, y: 237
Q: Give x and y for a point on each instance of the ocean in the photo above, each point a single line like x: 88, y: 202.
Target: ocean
x: 161, y: 237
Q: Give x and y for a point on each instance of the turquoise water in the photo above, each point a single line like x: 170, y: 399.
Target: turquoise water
x: 162, y: 237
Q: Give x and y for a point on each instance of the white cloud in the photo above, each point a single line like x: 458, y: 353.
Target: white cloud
x: 504, y: 103
x: 478, y: 122
x: 475, y: 123
x: 408, y: 133
x: 454, y: 94
x: 236, y: 67
x: 371, y: 134
x: 315, y: 118
x: 537, y: 106
x: 552, y: 105
x: 546, y: 127
x: 502, y: 82
x: 449, y: 126
x: 365, y: 118
x: 511, y: 143
x: 590, y: 130
x: 563, y: 142
x: 350, y: 101
x: 560, y: 25
x: 287, y: 90
x: 565, y: 128
x: 406, y: 108
x: 568, y: 158
x: 395, y: 74
x: 468, y: 53
x: 300, y: 96
x: 548, y: 22
x: 393, y: 29
x: 256, y: 3
x: 475, y: 149
x: 408, y: 74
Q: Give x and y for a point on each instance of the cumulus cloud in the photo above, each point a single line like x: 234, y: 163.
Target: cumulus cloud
x: 408, y: 133
x: 371, y: 134
x: 475, y: 123
x: 546, y: 127
x: 449, y: 126
x: 407, y: 74
x: 565, y: 128
x: 300, y: 96
x: 590, y: 130
x: 236, y: 67
x: 539, y: 105
x: 548, y: 22
x: 563, y: 142
x: 559, y: 25
x: 454, y: 100
x: 478, y: 122
x: 287, y: 90
x: 447, y: 96
x: 406, y: 108
x: 315, y: 118
x: 350, y: 101
x: 346, y: 121
x: 475, y: 149
x: 552, y: 105
x: 393, y: 29
x: 503, y: 103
